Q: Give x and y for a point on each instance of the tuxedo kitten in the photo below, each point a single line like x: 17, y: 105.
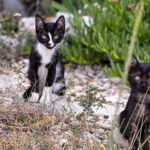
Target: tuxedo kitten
x: 135, y: 119
x: 46, y: 68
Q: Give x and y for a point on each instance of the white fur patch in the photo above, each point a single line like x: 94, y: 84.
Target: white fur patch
x: 50, y: 40
x: 57, y: 86
x: 58, y: 70
x: 45, y: 53
x: 46, y: 95
x: 42, y: 72
x: 34, y: 98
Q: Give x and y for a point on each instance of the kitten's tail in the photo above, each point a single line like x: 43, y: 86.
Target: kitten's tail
x: 27, y: 93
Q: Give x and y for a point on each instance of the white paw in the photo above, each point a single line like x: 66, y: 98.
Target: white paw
x: 45, y: 98
x: 57, y: 87
x: 34, y: 98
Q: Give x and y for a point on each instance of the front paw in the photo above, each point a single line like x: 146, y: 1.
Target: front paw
x: 59, y: 88
x: 34, y: 97
x: 46, y: 95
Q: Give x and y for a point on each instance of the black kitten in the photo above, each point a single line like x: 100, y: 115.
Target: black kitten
x: 135, y: 119
x: 46, y: 68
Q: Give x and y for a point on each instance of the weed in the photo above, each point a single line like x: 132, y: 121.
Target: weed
x: 89, y: 99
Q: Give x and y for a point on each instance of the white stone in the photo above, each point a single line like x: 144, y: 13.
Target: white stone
x: 119, y: 139
x: 8, y: 81
x: 27, y: 24
x: 8, y: 41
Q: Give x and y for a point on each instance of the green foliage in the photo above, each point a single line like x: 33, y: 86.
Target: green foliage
x: 109, y: 35
x: 26, y: 42
x: 89, y: 99
x: 67, y: 5
x: 9, y: 25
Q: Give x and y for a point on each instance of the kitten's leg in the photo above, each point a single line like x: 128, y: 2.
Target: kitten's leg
x: 33, y: 89
x: 27, y: 93
x: 46, y: 95
x: 59, y: 85
x: 146, y: 137
x: 128, y: 128
x: 32, y: 92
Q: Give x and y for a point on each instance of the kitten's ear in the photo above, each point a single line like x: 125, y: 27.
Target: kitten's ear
x: 134, y: 62
x: 60, y: 23
x: 39, y: 22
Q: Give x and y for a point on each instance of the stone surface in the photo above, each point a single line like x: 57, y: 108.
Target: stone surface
x: 99, y: 109
x: 8, y: 41
x: 7, y: 81
x: 27, y: 24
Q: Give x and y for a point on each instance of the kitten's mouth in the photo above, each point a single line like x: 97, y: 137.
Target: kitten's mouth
x: 50, y: 47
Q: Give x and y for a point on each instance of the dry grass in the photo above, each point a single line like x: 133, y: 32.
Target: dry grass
x: 24, y: 127
x: 27, y: 127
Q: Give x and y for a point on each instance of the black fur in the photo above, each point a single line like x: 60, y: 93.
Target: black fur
x: 136, y: 116
x: 54, y: 75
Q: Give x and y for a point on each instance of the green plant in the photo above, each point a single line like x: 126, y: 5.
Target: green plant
x: 89, y: 99
x: 108, y: 36
x: 25, y: 43
x: 68, y: 5
x: 9, y: 24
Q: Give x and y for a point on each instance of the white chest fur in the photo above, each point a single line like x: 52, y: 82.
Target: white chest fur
x: 46, y: 55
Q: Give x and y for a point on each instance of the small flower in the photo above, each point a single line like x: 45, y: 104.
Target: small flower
x: 97, y: 5
x: 79, y: 11
x: 86, y: 6
x: 104, y: 9
x: 17, y: 15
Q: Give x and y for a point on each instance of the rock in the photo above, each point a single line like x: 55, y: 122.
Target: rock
x: 8, y: 41
x: 119, y: 139
x: 78, y: 88
x: 105, y: 126
x: 63, y: 142
x: 25, y: 69
x: 27, y: 24
x: 13, y: 6
x: 8, y: 81
x: 106, y: 116
x: 115, y: 80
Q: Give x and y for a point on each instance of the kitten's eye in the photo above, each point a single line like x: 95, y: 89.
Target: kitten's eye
x: 44, y: 37
x: 55, y: 37
x: 137, y: 78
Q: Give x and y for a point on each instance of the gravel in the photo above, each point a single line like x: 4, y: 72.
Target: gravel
x: 13, y: 83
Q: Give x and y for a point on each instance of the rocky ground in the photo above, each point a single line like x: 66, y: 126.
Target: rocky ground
x: 82, y: 119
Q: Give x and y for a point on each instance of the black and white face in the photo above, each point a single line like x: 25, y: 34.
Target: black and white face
x: 49, y: 33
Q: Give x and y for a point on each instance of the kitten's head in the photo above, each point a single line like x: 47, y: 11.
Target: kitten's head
x: 139, y: 75
x: 50, y: 33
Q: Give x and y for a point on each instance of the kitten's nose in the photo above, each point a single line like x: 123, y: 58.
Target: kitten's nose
x: 50, y: 45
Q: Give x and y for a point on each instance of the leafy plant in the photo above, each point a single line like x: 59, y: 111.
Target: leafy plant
x: 9, y: 25
x: 26, y: 42
x: 71, y: 6
x: 89, y: 99
x: 108, y: 36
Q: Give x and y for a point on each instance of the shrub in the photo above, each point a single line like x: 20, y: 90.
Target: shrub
x: 109, y: 35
